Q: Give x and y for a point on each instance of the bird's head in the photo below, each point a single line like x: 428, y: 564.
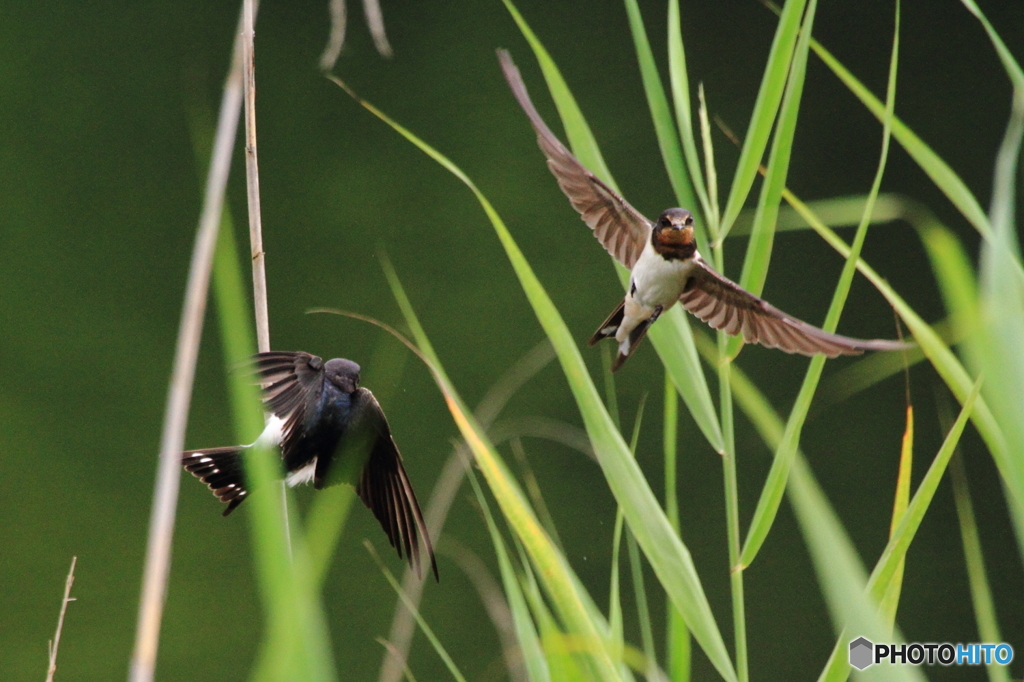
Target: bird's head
x: 343, y: 373
x: 672, y: 236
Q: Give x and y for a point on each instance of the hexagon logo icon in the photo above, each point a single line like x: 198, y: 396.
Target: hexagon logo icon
x: 861, y: 651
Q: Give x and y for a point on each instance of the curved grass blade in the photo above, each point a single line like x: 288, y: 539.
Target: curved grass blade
x: 938, y: 170
x: 891, y: 598
x: 526, y: 633
x: 666, y: 553
x: 559, y: 580
x: 981, y: 592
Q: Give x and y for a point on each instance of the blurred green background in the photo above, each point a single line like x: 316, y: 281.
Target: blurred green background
x: 101, y: 192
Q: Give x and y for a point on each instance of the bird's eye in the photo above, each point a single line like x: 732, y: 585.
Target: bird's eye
x: 689, y: 220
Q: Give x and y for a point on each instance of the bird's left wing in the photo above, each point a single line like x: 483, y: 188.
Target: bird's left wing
x: 723, y: 304
x: 621, y: 229
x: 383, y: 485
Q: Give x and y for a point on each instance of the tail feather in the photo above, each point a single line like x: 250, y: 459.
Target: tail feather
x: 221, y: 470
x: 627, y: 347
x: 610, y: 326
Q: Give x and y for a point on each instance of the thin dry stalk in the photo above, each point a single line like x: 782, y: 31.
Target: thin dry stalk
x: 252, y: 178
x: 60, y: 620
x: 252, y: 185
x: 165, y: 499
x: 339, y: 19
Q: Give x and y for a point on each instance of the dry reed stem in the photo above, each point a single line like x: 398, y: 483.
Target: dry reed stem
x: 252, y: 179
x: 165, y: 499
x: 55, y: 643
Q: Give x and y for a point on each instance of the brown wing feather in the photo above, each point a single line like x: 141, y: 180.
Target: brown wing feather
x: 620, y: 228
x: 723, y: 304
x: 385, y: 489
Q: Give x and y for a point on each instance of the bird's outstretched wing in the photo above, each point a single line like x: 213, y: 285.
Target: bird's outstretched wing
x: 292, y: 380
x: 383, y: 485
x: 725, y: 305
x: 621, y: 229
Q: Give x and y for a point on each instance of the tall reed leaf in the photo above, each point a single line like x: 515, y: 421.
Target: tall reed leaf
x: 661, y: 115
x: 771, y: 495
x: 679, y: 81
x: 773, y: 83
x: 762, y: 232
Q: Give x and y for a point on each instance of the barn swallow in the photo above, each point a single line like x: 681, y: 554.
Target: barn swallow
x: 329, y: 431
x: 665, y: 265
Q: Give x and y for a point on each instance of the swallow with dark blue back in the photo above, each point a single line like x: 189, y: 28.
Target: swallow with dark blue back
x: 666, y: 266
x: 329, y: 431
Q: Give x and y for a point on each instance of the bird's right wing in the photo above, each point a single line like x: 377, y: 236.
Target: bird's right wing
x: 292, y: 380
x: 621, y: 229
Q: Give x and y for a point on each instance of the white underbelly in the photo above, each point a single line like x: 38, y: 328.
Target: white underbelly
x: 659, y: 281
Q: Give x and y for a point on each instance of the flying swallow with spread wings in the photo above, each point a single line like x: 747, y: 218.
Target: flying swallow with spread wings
x: 665, y: 265
x: 329, y: 431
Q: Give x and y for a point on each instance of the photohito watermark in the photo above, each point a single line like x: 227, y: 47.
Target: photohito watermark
x: 864, y: 653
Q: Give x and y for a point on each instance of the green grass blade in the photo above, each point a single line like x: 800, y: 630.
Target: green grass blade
x: 957, y: 282
x: 938, y: 170
x: 715, y: 218
x: 1002, y: 291
x: 618, y: 635
x: 526, y: 633
x: 324, y: 525
x: 896, y: 549
x: 636, y: 570
x: 771, y: 495
x: 891, y: 598
x: 679, y: 81
x: 762, y: 233
x: 666, y: 553
x: 661, y: 115
x: 981, y: 592
x: 1013, y: 69
x: 677, y: 638
x: 671, y: 337
x: 842, y: 581
x: 938, y: 353
x: 762, y: 118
